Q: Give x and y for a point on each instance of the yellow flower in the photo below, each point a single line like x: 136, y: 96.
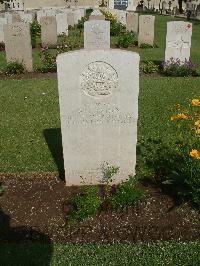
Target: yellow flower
x: 195, y: 154
x: 197, y: 127
x: 179, y: 116
x: 196, y: 102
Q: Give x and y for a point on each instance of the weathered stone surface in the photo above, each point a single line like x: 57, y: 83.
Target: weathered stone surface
x: 111, y: 4
x: 62, y: 24
x: 16, y: 18
x: 178, y: 40
x: 48, y: 31
x: 3, y: 21
x: 146, y: 29
x: 132, y: 22
x: 96, y: 34
x: 26, y: 18
x: 18, y: 44
x: 70, y: 19
x: 96, y: 15
x: 99, y: 111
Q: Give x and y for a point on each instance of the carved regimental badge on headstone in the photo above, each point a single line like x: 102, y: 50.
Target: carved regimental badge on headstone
x: 98, y: 79
x: 99, y: 109
x: 96, y: 35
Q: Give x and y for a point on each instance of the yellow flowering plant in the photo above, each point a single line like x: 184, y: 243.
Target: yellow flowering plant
x: 174, y: 163
x: 188, y: 122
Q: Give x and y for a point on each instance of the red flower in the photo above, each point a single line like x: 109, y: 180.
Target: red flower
x: 189, y: 26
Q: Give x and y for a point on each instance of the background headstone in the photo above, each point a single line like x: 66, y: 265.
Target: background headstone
x: 96, y: 34
x: 146, y: 30
x: 3, y: 21
x: 48, y: 31
x: 99, y: 110
x: 62, y: 24
x: 132, y: 22
x: 26, y: 18
x: 178, y: 40
x: 16, y: 18
x: 96, y: 15
x: 70, y: 19
x: 18, y: 44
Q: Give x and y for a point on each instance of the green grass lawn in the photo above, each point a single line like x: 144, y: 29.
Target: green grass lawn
x: 156, y: 54
x: 30, y: 118
x: 152, y: 254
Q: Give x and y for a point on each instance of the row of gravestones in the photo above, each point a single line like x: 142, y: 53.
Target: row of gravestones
x: 96, y: 34
x: 63, y: 18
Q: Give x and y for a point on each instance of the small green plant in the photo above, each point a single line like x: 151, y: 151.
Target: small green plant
x: 149, y: 67
x: 126, y: 40
x: 14, y: 68
x: 85, y: 204
x: 146, y: 46
x: 48, y: 61
x: 126, y: 194
x: 35, y: 30
x: 108, y: 177
x: 176, y: 68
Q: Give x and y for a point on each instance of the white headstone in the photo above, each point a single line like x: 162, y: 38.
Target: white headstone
x: 132, y: 21
x: 146, y: 30
x: 48, y: 31
x: 18, y: 44
x: 62, y: 24
x: 99, y: 110
x: 26, y: 18
x: 3, y: 21
x: 96, y: 34
x: 178, y: 40
x: 111, y: 4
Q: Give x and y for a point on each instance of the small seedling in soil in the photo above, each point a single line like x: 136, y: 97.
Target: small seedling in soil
x: 108, y: 174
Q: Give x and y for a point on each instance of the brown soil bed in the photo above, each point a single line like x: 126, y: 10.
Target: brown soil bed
x: 31, y: 75
x: 34, y: 207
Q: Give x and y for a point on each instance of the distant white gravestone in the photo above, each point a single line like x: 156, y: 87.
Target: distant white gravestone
x: 99, y: 110
x: 178, y: 40
x: 96, y: 34
x: 62, y: 23
x: 3, y: 21
x: 48, y: 31
x: 146, y: 30
x: 18, y: 44
x: 132, y: 22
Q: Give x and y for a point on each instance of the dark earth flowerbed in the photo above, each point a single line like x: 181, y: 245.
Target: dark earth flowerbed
x: 35, y: 207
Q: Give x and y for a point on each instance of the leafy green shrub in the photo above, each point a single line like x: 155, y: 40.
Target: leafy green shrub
x: 176, y: 68
x: 126, y: 194
x: 147, y: 46
x: 35, y: 30
x: 48, y: 61
x: 126, y: 40
x: 81, y: 22
x: 108, y: 177
x: 176, y: 165
x: 85, y: 204
x: 116, y: 27
x: 14, y: 68
x: 149, y: 67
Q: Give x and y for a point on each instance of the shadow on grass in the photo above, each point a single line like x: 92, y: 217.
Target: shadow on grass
x: 23, y: 245
x: 54, y: 140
